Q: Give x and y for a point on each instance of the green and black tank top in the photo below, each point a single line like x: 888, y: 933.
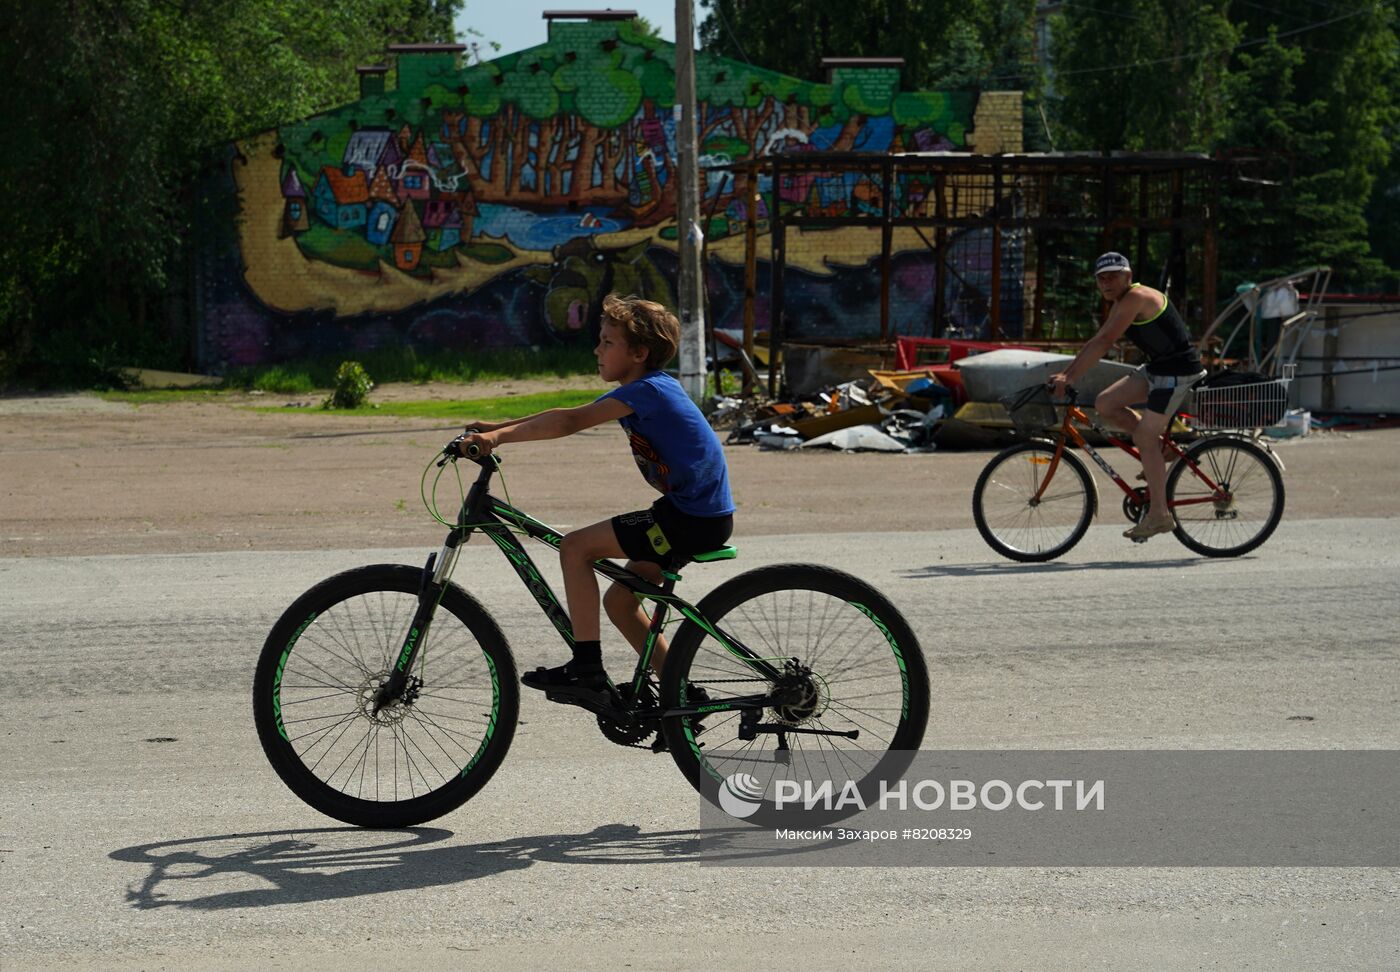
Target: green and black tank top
x: 1163, y: 338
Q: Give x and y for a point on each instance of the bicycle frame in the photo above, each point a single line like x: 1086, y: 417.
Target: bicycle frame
x: 482, y: 512
x: 1068, y: 432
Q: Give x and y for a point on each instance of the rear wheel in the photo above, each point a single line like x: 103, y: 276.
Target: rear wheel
x: 1233, y: 504
x: 846, y: 674
x: 1029, y: 508
x: 422, y: 755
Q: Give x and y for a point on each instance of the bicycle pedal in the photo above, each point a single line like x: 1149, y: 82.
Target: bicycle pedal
x: 598, y: 702
x: 562, y: 699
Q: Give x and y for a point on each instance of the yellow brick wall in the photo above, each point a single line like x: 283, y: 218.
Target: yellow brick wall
x: 996, y: 125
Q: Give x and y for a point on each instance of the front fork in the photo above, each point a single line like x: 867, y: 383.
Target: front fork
x: 435, y: 577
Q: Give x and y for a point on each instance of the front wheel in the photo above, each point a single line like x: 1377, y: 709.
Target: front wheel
x: 1029, y: 507
x: 416, y: 758
x: 1227, y: 496
x: 846, y: 678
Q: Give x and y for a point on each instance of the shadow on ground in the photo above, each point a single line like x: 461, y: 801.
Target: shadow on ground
x: 233, y: 871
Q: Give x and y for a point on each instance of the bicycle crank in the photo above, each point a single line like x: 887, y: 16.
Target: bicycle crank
x: 630, y: 732
x: 1134, y: 505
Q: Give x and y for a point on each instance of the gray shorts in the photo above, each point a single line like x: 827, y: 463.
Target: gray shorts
x: 1166, y: 393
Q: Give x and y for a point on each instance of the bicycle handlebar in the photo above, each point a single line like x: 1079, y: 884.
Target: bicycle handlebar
x: 458, y: 449
x: 1028, y: 394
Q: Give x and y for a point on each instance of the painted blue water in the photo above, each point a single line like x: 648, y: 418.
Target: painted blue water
x: 535, y: 231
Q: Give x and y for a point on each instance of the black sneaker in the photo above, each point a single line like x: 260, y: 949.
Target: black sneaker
x: 697, y: 696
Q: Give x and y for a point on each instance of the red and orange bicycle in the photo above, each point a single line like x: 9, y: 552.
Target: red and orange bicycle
x: 1034, y: 501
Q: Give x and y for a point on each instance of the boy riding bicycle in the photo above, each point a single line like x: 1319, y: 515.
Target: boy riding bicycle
x: 677, y: 452
x: 1148, y: 319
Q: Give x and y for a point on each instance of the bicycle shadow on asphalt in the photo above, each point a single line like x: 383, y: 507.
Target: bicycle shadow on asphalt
x: 1056, y: 567
x: 297, y: 866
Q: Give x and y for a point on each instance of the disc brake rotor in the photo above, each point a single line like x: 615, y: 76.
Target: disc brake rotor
x: 397, y: 710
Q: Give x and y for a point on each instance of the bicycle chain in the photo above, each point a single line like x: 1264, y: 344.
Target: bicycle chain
x: 659, y: 734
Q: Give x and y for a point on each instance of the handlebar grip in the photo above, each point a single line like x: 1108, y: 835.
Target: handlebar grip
x: 459, y: 448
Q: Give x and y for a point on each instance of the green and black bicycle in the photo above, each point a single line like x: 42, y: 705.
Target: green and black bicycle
x: 386, y: 696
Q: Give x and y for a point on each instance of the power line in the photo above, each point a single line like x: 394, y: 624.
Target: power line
x: 1272, y: 10
x: 1196, y: 54
x: 1101, y: 10
x: 733, y: 35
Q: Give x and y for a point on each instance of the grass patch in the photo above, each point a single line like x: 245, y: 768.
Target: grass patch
x: 160, y: 396
x: 486, y: 409
x: 487, y: 252
x: 408, y: 365
x: 342, y: 248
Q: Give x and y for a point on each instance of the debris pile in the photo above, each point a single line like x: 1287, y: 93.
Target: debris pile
x: 892, y: 411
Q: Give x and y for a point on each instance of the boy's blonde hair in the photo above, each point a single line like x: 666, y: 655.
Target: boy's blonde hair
x: 645, y: 324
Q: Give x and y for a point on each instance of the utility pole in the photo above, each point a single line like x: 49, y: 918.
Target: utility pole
x: 688, y: 231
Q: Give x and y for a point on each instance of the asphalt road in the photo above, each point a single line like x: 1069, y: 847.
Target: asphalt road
x: 141, y: 827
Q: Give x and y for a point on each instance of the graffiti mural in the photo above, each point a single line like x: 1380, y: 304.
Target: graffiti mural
x: 496, y: 203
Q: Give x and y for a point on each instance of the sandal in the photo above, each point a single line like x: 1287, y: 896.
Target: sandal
x: 570, y: 675
x: 1143, y: 530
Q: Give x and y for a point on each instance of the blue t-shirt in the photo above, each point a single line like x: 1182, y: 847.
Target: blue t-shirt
x: 675, y: 448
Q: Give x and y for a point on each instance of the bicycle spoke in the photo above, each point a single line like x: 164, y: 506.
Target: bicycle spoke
x: 409, y: 746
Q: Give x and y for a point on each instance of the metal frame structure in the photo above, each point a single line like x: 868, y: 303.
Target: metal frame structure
x: 1118, y: 201
x: 1271, y: 344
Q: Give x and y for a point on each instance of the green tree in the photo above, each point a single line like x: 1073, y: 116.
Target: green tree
x: 1308, y: 86
x: 945, y: 45
x: 114, y: 111
x: 1383, y: 219
x: 1144, y: 75
x: 1263, y: 239
x: 1316, y: 215
x: 1343, y: 89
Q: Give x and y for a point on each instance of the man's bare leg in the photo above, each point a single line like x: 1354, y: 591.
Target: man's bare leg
x: 1112, y: 403
x: 1147, y: 437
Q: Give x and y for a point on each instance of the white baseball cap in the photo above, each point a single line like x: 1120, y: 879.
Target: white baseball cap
x: 1111, y: 262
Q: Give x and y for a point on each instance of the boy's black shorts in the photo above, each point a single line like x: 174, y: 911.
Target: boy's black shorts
x: 666, y: 536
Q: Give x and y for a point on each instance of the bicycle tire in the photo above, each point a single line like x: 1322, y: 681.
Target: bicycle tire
x: 1009, y: 518
x: 411, y: 762
x: 829, y: 621
x: 1226, y: 527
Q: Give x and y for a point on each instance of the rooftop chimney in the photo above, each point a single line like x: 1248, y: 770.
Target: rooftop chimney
x: 371, y: 79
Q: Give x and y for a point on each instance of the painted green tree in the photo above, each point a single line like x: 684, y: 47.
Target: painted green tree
x: 982, y: 45
x: 562, y: 122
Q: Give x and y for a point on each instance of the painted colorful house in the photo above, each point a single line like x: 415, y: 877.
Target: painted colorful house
x: 505, y: 194
x: 294, y: 218
x: 407, y: 237
x: 383, y: 216
x: 341, y: 198
x: 372, y: 149
x: 415, y: 174
x: 442, y: 221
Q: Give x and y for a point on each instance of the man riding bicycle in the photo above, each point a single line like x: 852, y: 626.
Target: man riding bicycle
x: 1147, y: 318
